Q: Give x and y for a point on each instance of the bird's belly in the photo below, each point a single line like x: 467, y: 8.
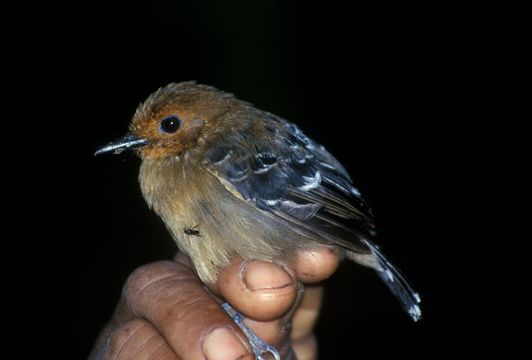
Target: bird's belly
x: 212, y: 225
x: 227, y: 229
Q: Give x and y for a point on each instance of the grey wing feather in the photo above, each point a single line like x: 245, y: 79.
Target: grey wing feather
x: 294, y: 178
x: 298, y: 181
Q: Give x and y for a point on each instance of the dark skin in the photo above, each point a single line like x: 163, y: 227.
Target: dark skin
x: 166, y: 312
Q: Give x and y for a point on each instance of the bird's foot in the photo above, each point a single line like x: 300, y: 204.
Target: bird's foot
x: 257, y: 344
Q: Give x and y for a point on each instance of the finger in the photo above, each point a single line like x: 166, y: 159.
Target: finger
x: 263, y: 292
x: 306, y: 348
x: 315, y: 265
x: 173, y: 299
x: 304, y: 319
x: 311, y: 266
x: 306, y: 313
x: 137, y: 339
x: 259, y: 290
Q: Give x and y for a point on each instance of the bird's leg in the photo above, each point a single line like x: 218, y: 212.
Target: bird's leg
x: 258, y: 345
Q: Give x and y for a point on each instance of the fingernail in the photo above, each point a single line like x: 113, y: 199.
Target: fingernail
x: 258, y: 275
x: 223, y: 344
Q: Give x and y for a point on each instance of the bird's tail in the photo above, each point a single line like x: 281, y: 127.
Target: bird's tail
x: 396, y: 282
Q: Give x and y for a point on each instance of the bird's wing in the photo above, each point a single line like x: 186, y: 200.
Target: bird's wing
x: 279, y: 169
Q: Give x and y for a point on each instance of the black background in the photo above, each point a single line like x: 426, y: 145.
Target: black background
x: 371, y: 84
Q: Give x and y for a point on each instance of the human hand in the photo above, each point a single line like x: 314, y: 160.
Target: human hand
x: 166, y: 312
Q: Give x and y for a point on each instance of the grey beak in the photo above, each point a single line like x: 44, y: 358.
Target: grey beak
x: 126, y: 142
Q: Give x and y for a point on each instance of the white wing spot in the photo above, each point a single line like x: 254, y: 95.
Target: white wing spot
x: 226, y: 157
x: 416, y: 296
x: 343, y: 188
x: 242, y: 178
x: 389, y: 275
x: 355, y: 191
x: 311, y: 182
x: 326, y: 165
x: 263, y: 169
x: 415, y: 312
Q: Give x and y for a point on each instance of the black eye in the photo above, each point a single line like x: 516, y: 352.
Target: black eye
x: 170, y: 124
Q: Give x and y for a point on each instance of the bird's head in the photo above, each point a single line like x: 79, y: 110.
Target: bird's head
x: 172, y: 120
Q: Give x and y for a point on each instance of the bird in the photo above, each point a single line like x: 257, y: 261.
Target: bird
x: 230, y: 180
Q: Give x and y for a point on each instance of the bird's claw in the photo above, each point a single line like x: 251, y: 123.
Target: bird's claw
x: 257, y: 344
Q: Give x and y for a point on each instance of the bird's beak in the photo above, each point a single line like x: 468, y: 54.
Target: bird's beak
x: 126, y: 142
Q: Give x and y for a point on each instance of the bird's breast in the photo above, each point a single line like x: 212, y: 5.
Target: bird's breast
x: 208, y: 222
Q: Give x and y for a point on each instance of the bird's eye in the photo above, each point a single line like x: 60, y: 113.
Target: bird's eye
x: 170, y: 124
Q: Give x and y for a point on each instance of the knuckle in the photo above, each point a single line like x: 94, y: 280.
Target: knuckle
x: 143, y: 281
x: 148, y: 274
x: 122, y: 336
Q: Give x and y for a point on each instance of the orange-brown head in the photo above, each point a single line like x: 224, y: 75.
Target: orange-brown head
x: 174, y: 119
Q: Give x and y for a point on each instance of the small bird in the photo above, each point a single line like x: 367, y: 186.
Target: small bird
x: 230, y: 180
